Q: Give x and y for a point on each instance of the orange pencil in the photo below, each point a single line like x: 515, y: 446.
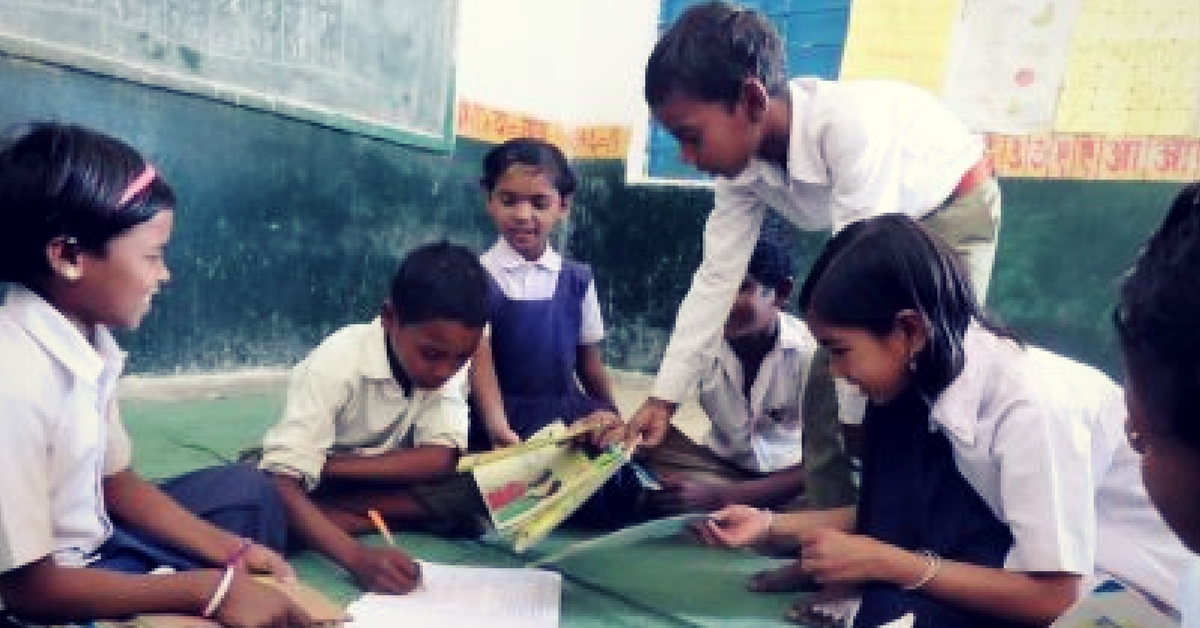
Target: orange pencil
x: 381, y: 526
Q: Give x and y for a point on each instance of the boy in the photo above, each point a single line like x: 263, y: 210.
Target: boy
x: 767, y: 401
x: 822, y: 154
x: 375, y: 419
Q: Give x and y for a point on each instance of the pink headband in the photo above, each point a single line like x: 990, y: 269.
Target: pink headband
x: 138, y: 185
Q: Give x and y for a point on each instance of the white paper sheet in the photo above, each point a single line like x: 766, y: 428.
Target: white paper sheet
x: 452, y: 595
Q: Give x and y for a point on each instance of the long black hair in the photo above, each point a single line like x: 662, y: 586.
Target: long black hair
x: 873, y: 269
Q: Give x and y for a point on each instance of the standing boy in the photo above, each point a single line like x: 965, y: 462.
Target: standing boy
x: 375, y: 419
x: 773, y: 424
x: 823, y: 154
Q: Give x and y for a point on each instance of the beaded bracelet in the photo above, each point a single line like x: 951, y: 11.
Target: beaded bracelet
x: 933, y: 564
x: 219, y: 595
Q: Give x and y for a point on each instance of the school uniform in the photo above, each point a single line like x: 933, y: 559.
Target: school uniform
x: 790, y: 417
x: 857, y: 149
x: 64, y: 436
x: 1189, y: 596
x: 343, y: 398
x: 1038, y: 440
x: 541, y: 312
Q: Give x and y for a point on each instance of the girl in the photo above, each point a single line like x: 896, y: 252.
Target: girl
x: 1158, y: 323
x: 546, y: 325
x: 996, y: 479
x: 545, y: 319
x: 87, y: 221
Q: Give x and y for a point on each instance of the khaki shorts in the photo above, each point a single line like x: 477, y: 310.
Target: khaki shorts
x: 970, y: 225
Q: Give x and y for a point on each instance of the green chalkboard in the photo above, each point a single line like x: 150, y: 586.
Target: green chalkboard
x: 378, y: 67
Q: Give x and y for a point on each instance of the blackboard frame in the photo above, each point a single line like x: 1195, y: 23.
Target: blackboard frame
x: 55, y: 53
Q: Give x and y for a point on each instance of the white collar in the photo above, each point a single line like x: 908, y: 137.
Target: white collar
x: 959, y: 406
x: 509, y: 259
x: 61, y: 339
x: 375, y: 363
x: 793, y: 336
x: 804, y: 161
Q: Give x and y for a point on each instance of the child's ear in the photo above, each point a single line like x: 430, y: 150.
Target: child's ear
x: 912, y: 323
x: 62, y: 253
x: 389, y: 314
x: 783, y: 291
x: 566, y: 202
x: 755, y: 98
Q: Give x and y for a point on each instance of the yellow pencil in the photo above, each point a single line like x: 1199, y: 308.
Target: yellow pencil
x: 381, y: 526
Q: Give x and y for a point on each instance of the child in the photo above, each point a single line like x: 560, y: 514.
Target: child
x: 545, y: 318
x: 1158, y: 323
x: 996, y: 479
x: 87, y: 223
x: 764, y: 396
x: 823, y: 154
x: 375, y: 419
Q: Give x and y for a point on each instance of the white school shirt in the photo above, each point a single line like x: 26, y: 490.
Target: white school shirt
x: 522, y: 280
x: 343, y: 398
x: 762, y: 433
x: 857, y: 149
x: 1041, y: 439
x: 61, y: 433
x: 1189, y: 595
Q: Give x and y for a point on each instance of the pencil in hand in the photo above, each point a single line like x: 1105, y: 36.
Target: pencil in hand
x: 381, y: 526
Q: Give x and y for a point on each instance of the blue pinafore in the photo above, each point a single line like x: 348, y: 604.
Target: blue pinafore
x: 914, y: 497
x: 534, y: 349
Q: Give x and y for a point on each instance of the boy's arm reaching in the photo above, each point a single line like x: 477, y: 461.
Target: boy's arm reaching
x: 486, y: 391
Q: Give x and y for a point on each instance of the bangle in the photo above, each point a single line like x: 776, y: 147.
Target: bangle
x: 933, y: 564
x: 219, y: 595
x: 238, y: 554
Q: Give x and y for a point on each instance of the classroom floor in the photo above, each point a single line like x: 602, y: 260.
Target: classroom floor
x: 179, y: 424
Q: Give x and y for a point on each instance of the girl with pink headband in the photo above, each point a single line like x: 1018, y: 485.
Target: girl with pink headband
x: 87, y: 221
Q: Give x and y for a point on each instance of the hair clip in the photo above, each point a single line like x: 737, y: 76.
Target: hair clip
x: 138, y: 185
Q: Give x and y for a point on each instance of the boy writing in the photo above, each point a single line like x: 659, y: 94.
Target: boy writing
x: 375, y: 419
x: 823, y: 154
x: 767, y: 401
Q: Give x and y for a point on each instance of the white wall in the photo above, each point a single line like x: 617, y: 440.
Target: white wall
x: 574, y: 62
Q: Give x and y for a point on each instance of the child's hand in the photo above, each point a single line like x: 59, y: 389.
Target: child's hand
x: 386, y: 570
x: 250, y: 604
x: 835, y: 557
x: 649, y: 424
x: 734, y: 526
x: 261, y: 560
x: 503, y: 437
x: 680, y: 495
x: 598, y: 424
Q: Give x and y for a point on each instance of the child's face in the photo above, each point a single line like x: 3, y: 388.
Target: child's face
x: 1170, y: 470
x: 115, y: 288
x: 877, y: 365
x: 431, y: 352
x: 525, y: 206
x: 754, y: 310
x: 711, y: 138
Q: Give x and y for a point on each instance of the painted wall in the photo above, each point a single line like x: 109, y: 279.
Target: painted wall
x: 289, y: 230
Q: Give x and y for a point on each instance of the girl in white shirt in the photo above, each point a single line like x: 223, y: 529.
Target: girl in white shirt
x: 87, y: 220
x: 1158, y: 322
x: 996, y: 481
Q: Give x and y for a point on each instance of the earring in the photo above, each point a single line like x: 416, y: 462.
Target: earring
x: 912, y: 363
x: 1135, y: 441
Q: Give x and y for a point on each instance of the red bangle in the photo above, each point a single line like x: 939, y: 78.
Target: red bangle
x: 239, y: 553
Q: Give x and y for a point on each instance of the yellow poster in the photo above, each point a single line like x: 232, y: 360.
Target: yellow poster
x: 906, y: 40
x: 1133, y: 70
